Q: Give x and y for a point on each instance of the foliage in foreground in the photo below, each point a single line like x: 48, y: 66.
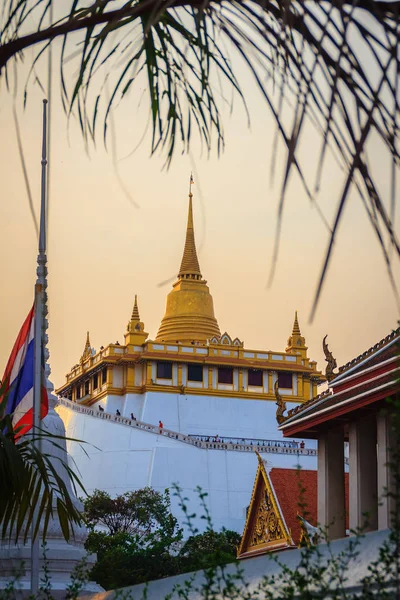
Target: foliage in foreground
x: 330, y: 65
x: 30, y: 480
x: 142, y: 541
x: 320, y: 573
x: 139, y: 513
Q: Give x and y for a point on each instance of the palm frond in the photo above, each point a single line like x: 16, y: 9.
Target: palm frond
x: 35, y: 484
x: 335, y: 64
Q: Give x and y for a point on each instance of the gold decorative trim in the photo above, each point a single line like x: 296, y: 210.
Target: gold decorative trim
x: 265, y: 529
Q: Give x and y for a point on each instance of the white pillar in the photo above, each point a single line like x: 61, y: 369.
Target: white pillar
x: 331, y: 499
x: 61, y: 556
x: 386, y: 439
x: 363, y: 501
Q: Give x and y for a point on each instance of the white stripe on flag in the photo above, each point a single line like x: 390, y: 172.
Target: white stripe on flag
x: 23, y: 407
x: 20, y: 357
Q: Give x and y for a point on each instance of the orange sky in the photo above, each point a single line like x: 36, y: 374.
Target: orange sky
x: 102, y: 249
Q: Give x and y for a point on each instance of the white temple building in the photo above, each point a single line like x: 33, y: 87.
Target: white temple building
x: 217, y: 402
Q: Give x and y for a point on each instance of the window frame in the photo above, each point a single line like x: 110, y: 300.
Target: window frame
x: 220, y: 371
x: 255, y: 371
x: 285, y: 374
x: 163, y: 363
x: 195, y: 366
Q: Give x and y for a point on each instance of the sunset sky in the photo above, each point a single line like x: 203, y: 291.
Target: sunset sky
x: 102, y: 249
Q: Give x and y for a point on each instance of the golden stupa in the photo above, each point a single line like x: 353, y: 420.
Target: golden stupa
x: 189, y: 314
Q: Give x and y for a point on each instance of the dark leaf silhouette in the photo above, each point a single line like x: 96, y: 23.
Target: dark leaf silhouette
x: 335, y: 64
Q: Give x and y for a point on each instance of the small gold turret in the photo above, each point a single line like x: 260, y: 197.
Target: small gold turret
x: 87, y: 352
x: 135, y: 312
x: 296, y: 342
x: 135, y: 334
x: 296, y: 327
x: 189, y: 314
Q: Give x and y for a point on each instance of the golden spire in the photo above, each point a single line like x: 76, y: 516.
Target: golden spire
x: 296, y: 342
x: 189, y: 313
x: 135, y: 312
x: 87, y: 350
x: 87, y: 345
x: 135, y: 333
x: 190, y: 268
x: 296, y: 328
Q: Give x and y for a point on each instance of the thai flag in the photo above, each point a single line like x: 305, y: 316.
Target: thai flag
x: 18, y: 380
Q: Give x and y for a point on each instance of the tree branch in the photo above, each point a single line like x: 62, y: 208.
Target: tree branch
x: 146, y: 8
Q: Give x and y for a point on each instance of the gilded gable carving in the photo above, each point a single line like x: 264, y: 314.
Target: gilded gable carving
x: 267, y: 525
x: 265, y: 529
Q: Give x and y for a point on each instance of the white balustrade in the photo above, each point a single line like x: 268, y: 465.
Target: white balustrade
x: 210, y: 445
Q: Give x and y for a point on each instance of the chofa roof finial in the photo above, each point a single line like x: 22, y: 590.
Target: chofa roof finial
x: 281, y: 404
x: 332, y: 364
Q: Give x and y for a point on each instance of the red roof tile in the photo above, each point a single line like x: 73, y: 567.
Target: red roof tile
x: 287, y: 483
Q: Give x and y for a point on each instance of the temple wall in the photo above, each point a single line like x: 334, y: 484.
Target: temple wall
x: 118, y: 458
x: 203, y: 415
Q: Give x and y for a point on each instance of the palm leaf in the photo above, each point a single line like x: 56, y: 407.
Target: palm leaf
x: 304, y: 55
x: 32, y: 488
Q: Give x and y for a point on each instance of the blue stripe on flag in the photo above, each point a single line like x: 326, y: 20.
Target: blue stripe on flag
x: 23, y: 382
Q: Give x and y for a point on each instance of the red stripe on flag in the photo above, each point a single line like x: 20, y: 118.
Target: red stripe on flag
x: 26, y: 421
x: 24, y: 424
x: 44, y: 403
x: 21, y: 339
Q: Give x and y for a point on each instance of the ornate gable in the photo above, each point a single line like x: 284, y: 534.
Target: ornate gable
x: 265, y: 529
x: 225, y: 340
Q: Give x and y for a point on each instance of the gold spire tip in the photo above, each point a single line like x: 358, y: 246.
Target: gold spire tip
x: 191, y: 182
x: 190, y: 268
x: 296, y: 327
x: 135, y: 311
x: 87, y: 351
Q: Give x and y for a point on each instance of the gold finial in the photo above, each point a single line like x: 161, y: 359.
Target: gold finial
x: 87, y: 350
x: 296, y: 342
x: 260, y: 460
x: 135, y: 312
x: 190, y: 268
x: 191, y: 182
x: 135, y: 333
x: 296, y: 328
x: 87, y: 345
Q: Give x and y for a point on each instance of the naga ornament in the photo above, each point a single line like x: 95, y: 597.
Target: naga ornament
x: 281, y: 404
x: 329, y: 371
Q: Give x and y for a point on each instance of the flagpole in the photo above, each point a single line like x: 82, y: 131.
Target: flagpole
x: 40, y: 288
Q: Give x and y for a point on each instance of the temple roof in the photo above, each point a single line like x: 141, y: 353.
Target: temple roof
x: 286, y: 484
x: 366, y: 380
x: 386, y: 341
x: 272, y: 522
x: 266, y: 529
